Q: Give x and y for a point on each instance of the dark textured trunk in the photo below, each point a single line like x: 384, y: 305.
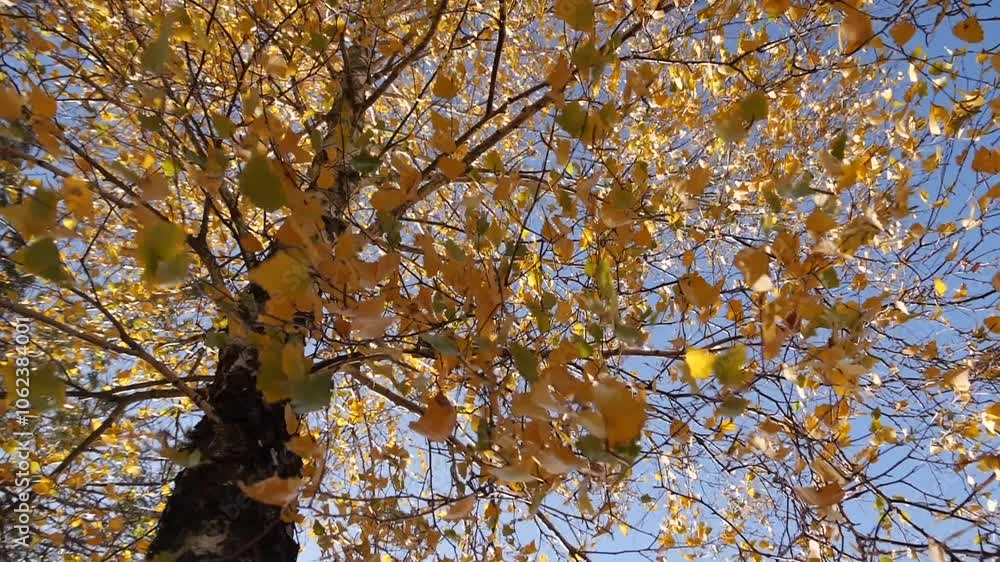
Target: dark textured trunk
x: 208, y: 517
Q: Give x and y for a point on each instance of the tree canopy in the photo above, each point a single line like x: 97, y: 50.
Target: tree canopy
x: 502, y: 280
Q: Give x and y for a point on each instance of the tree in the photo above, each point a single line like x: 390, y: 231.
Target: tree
x: 435, y: 280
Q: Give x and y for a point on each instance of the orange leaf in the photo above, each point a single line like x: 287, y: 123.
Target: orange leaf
x: 438, y: 420
x: 272, y: 490
x: 451, y: 167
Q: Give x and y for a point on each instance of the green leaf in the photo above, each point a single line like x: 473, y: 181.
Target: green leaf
x: 318, y: 41
x: 154, y: 56
x: 829, y: 278
x: 442, y: 343
x: 525, y: 361
x: 42, y: 258
x: 729, y: 366
x: 365, y: 163
x: 838, y: 146
x: 216, y: 339
x: 573, y: 119
x: 223, y: 125
x: 311, y: 393
x: 628, y: 334
x: 754, y: 107
x: 162, y: 253
x: 588, y: 57
x: 150, y: 122
x: 48, y: 392
x: 732, y: 406
x: 593, y: 448
x: 261, y: 183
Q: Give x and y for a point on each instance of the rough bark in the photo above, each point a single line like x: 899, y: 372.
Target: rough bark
x: 208, y: 517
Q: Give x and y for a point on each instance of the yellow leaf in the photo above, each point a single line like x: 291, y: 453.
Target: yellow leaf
x: 260, y: 181
x: 902, y: 32
x: 969, y: 30
x: 272, y: 490
x: 991, y: 418
x: 461, y: 509
x: 446, y: 85
x: 824, y: 496
x: 42, y: 258
x: 438, y: 420
x: 940, y: 288
x: 516, y: 473
x: 992, y: 324
x: 698, y: 291
x: 776, y: 8
x: 302, y: 445
x: 451, y: 167
x: 10, y: 104
x: 42, y: 105
x: 697, y: 180
x: 78, y: 197
x: 36, y: 215
x: 699, y: 362
x: 386, y: 200
x: 855, y: 30
x: 753, y: 264
x: 624, y: 413
x: 936, y: 551
x: 819, y: 222
x: 938, y: 116
x: 578, y: 14
x: 282, y: 276
x: 559, y: 74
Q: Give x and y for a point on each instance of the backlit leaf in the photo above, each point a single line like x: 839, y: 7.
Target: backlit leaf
x: 438, y: 420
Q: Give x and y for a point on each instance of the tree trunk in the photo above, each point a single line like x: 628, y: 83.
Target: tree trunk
x: 208, y: 517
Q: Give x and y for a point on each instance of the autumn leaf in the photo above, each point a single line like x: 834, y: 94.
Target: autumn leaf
x: 272, y: 490
x: 282, y: 276
x: 969, y: 30
x: 624, y: 412
x: 986, y: 161
x: 578, y: 14
x: 35, y: 216
x: 821, y: 496
x: 855, y: 29
x: 446, y: 85
x: 729, y: 367
x: 261, y: 183
x: 776, y: 8
x: 460, y: 509
x: 699, y: 362
x: 452, y: 168
x: 162, y: 252
x: 42, y: 258
x: 78, y: 197
x: 438, y: 420
x: 155, y: 55
x: 940, y: 288
x: 902, y: 32
x: 10, y: 104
